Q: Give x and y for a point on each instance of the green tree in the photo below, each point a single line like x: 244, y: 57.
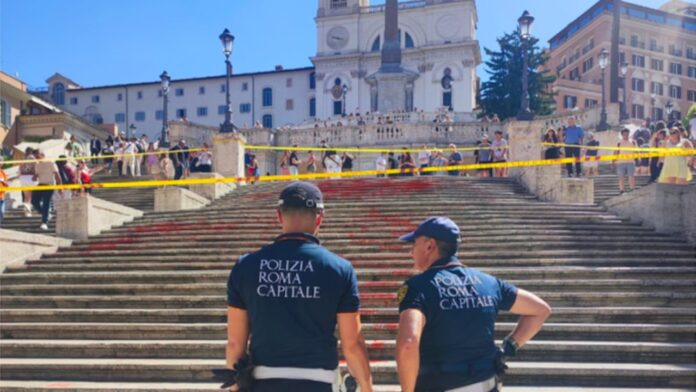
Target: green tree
x: 502, y: 93
x: 689, y: 115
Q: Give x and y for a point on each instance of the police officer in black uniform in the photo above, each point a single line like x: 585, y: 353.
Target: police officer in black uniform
x: 289, y: 296
x: 447, y: 317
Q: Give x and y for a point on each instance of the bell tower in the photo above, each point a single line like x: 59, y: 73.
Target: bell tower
x: 340, y: 7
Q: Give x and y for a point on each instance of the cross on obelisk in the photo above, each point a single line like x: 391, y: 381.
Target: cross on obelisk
x: 391, y: 50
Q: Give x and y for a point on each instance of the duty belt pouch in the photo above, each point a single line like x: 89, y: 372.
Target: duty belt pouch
x: 245, y: 376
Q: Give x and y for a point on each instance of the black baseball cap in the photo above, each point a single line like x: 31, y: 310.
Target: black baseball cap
x: 302, y: 195
x: 437, y: 227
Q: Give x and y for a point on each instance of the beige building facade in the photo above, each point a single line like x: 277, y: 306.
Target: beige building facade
x: 658, y: 45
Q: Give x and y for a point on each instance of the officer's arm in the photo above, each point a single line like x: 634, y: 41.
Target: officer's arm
x: 533, y: 311
x: 411, y: 323
x: 237, y: 334
x: 354, y: 349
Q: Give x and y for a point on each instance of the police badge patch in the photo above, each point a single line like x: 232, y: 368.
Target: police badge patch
x: 401, y: 294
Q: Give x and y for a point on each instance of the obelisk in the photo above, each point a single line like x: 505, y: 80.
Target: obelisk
x: 392, y: 85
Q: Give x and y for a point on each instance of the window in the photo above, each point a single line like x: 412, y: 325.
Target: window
x: 657, y: 113
x: 691, y: 95
x: 587, y: 65
x: 222, y: 109
x: 657, y: 88
x: 675, y: 92
x: 140, y: 116
x: 570, y: 102
x: 447, y: 99
x: 692, y: 72
x: 201, y: 90
x: 638, y: 61
x: 267, y: 96
x: 222, y: 88
x: 59, y: 94
x: 95, y: 99
x: 73, y: 101
x: 675, y: 68
x: 312, y: 81
x: 267, y: 121
x: 312, y: 107
x: 337, y: 4
x: 289, y: 104
x: 574, y: 74
x: 5, y: 116
x: 638, y: 84
x: 376, y: 44
x: 159, y: 115
x: 120, y: 118
x: 622, y: 57
x: 179, y: 92
x: 657, y: 65
x: 690, y: 54
x: 245, y: 86
x: 288, y: 82
x: 590, y: 103
x: 119, y: 97
x: 140, y: 95
x: 337, y: 108
x: 408, y: 41
x: 637, y: 111
x: 244, y: 108
x: 634, y: 41
x: 202, y: 111
x: 676, y: 114
x: 180, y: 113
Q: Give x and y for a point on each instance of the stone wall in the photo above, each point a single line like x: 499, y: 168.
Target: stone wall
x: 18, y: 247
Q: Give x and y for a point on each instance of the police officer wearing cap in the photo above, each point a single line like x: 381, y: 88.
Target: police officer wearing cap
x: 447, y: 317
x: 289, y: 297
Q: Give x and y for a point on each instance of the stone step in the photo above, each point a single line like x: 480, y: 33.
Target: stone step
x: 77, y: 386
x: 604, y: 285
x: 613, y: 314
x: 193, y: 331
x: 198, y: 370
x: 565, y: 298
x: 217, y: 276
x: 558, y: 351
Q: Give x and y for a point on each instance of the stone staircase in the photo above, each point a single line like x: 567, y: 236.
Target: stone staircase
x: 142, y: 199
x: 142, y: 307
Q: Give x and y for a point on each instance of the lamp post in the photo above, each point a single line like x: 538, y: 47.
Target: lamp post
x: 653, y: 99
x: 164, y: 137
x: 344, y: 89
x: 227, y: 41
x: 603, y: 62
x: 624, y: 106
x: 669, y: 108
x: 525, y: 25
x: 131, y: 131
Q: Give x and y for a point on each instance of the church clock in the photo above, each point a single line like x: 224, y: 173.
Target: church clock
x: 337, y: 38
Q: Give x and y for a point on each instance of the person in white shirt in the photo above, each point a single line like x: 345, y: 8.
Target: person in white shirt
x: 130, y: 159
x: 381, y: 164
x: 424, y: 160
x: 205, y: 160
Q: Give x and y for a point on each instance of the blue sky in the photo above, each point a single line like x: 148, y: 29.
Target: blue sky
x: 101, y: 42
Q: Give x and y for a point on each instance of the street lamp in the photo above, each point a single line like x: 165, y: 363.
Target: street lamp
x: 603, y: 62
x: 525, y: 25
x: 669, y: 108
x: 344, y: 89
x: 624, y: 107
x: 653, y: 99
x: 164, y: 138
x: 131, y: 131
x: 227, y: 41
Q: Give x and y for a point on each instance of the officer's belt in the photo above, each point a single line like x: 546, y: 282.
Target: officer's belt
x: 292, y: 373
x: 483, y: 386
x: 468, y: 368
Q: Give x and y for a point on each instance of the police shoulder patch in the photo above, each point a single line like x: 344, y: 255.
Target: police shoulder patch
x: 401, y: 294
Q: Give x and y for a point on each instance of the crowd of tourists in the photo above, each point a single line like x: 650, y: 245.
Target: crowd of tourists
x: 584, y: 145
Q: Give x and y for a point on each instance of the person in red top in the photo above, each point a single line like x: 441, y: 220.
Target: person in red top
x: 85, y: 175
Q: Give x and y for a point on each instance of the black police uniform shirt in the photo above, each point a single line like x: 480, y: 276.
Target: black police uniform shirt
x: 460, y: 305
x: 292, y: 290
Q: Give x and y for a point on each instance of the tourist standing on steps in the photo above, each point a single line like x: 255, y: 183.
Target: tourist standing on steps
x: 625, y: 167
x: 294, y: 162
x: 447, y: 317
x: 591, y: 152
x: 455, y: 159
x: 381, y: 164
x: 46, y: 174
x: 3, y: 184
x: 676, y: 169
x: 574, y: 135
x: 26, y: 178
x: 290, y: 296
x: 500, y: 153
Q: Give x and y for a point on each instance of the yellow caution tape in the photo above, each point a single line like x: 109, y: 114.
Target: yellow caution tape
x: 89, y: 157
x: 607, y: 148
x: 369, y: 150
x: 313, y: 176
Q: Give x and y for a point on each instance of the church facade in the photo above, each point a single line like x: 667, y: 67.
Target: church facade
x: 439, y: 47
